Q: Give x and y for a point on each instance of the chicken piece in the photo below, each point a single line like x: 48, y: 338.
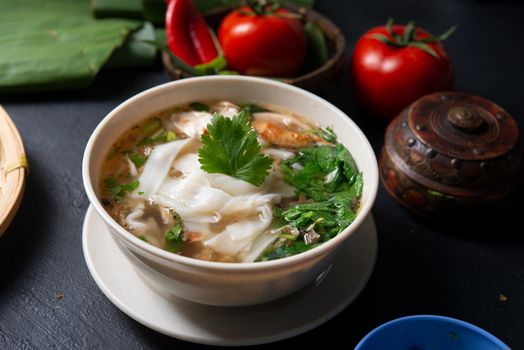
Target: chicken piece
x: 284, y: 130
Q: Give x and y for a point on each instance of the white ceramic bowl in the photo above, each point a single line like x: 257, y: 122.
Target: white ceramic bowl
x: 214, y: 283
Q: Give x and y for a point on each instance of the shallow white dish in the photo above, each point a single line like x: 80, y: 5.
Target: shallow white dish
x: 296, y: 313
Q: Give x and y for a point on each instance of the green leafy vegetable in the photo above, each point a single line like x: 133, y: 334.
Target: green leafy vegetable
x: 328, y: 217
x: 174, y: 238
x: 251, y: 108
x: 137, y: 159
x: 283, y: 251
x: 165, y: 136
x: 151, y: 126
x: 144, y: 238
x: 134, y: 52
x: 329, y: 178
x: 118, y: 190
x: 117, y: 8
x: 231, y: 147
x: 323, y: 170
x: 54, y: 44
x: 326, y: 133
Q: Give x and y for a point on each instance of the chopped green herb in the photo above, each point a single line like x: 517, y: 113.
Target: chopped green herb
x: 322, y: 170
x: 142, y: 237
x: 230, y: 147
x: 329, y: 178
x: 174, y: 238
x: 251, y: 108
x: 287, y: 236
x: 328, y: 217
x: 293, y: 248
x: 140, y: 193
x: 137, y: 159
x: 146, y: 141
x: 151, y: 126
x: 199, y: 106
x: 170, y: 136
x: 112, y: 153
x: 163, y: 137
x: 326, y: 133
x: 117, y: 189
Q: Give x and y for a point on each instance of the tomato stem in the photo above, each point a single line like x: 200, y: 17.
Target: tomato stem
x: 408, y: 37
x: 262, y: 7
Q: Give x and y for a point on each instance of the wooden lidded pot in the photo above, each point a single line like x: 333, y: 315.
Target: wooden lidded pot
x: 451, y: 156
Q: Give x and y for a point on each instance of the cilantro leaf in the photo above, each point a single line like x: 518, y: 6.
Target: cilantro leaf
x: 231, y: 148
x: 324, y: 170
x: 329, y: 178
x: 165, y: 136
x: 174, y: 238
x: 117, y: 189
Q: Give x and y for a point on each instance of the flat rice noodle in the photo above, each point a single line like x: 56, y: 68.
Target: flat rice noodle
x: 248, y: 204
x: 231, y: 185
x: 255, y: 249
x: 202, y: 199
x: 132, y: 168
x: 279, y: 153
x: 141, y: 225
x: 157, y: 166
x: 274, y: 183
x: 187, y: 164
x: 192, y: 198
x: 240, y: 235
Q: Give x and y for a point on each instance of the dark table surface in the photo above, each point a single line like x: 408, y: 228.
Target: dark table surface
x: 48, y: 299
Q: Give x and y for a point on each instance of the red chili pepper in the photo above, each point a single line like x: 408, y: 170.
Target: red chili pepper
x: 187, y: 33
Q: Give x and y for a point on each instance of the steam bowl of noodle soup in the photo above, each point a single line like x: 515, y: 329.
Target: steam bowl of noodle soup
x: 229, y: 190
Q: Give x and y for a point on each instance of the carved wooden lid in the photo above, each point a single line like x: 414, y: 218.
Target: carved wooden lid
x: 463, y: 126
x: 457, y: 144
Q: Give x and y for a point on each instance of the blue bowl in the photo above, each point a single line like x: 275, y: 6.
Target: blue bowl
x: 427, y: 332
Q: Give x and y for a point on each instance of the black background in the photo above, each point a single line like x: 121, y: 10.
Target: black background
x: 422, y: 267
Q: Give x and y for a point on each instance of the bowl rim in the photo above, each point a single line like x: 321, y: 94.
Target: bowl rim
x: 443, y: 319
x: 372, y: 182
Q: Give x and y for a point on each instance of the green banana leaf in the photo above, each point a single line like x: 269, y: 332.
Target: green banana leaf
x: 54, y: 44
x: 117, y: 8
x: 135, y: 52
x: 155, y: 11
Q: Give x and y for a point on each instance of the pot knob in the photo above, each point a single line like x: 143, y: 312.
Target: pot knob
x: 465, y: 119
x: 452, y: 155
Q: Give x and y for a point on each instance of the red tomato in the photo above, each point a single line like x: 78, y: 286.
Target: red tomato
x: 386, y: 78
x: 265, y: 45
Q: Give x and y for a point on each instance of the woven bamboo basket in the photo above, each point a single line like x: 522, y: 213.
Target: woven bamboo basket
x: 13, y: 170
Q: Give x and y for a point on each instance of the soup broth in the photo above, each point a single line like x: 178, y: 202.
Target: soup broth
x: 230, y: 183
